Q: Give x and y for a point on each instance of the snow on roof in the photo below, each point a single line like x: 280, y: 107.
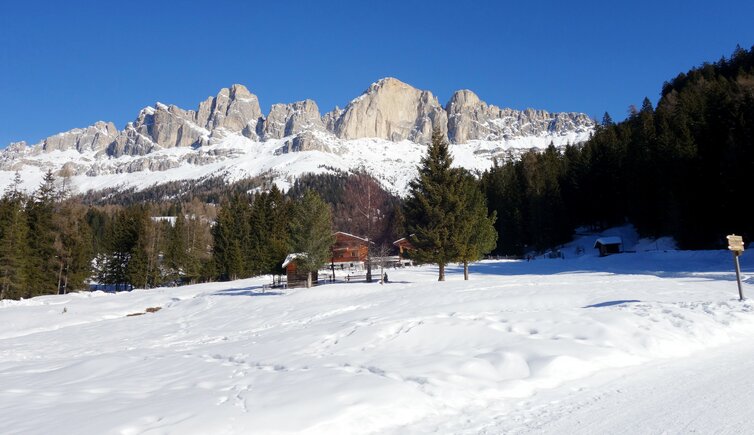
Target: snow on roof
x: 404, y: 239
x: 612, y: 240
x: 292, y: 257
x: 350, y: 235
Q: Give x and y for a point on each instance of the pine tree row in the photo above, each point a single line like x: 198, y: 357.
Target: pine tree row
x: 680, y: 169
x: 45, y: 244
x: 254, y: 233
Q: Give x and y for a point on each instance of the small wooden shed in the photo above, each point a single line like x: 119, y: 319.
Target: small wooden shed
x: 294, y: 276
x: 404, y: 247
x: 609, y: 245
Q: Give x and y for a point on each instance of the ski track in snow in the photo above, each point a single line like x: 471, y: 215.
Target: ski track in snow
x: 552, y: 346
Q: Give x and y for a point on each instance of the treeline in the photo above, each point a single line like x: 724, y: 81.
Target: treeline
x: 680, y: 169
x: 251, y: 236
x: 147, y: 245
x: 45, y: 243
x: 51, y: 243
x: 255, y: 231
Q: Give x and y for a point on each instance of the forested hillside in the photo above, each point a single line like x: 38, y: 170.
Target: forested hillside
x: 681, y: 168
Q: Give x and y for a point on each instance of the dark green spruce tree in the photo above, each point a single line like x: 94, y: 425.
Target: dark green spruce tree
x: 432, y: 205
x: 311, y: 233
x: 43, y: 270
x: 73, y: 246
x: 14, y: 248
x: 176, y: 254
x: 230, y: 237
x: 278, y: 223
x: 474, y: 234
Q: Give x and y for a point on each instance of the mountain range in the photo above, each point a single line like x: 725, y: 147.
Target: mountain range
x: 384, y: 131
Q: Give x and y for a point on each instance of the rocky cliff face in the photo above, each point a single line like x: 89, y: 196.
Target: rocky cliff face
x: 470, y: 118
x: 392, y: 110
x: 233, y: 110
x: 92, y: 138
x: 330, y: 118
x: 290, y: 119
x: 389, y: 109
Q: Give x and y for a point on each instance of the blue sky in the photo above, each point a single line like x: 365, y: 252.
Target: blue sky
x: 68, y: 64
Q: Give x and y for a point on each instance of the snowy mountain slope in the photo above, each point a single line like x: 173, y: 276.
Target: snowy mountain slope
x: 237, y: 157
x: 382, y: 130
x: 490, y: 355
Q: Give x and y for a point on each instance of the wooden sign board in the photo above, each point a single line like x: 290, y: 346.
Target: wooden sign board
x: 735, y: 243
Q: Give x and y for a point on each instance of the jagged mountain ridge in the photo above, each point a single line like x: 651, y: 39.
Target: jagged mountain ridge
x: 231, y: 126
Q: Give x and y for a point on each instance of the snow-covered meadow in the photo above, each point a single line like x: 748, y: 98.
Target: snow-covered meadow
x: 514, y: 349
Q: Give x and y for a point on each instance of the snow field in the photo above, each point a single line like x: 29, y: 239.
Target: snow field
x: 412, y: 356
x: 393, y: 163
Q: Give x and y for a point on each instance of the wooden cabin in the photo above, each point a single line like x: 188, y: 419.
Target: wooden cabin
x: 404, y: 247
x: 609, y: 245
x: 294, y: 276
x: 349, y: 251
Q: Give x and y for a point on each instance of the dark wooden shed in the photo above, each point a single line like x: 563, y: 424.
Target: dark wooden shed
x: 609, y: 245
x: 404, y: 247
x: 294, y: 276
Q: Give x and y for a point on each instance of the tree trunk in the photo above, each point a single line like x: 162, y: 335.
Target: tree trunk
x: 308, y: 279
x: 442, y: 272
x: 60, y: 276
x: 465, y: 270
x: 369, y: 262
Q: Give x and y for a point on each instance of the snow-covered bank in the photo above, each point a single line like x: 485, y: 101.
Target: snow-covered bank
x: 411, y: 356
x: 708, y: 393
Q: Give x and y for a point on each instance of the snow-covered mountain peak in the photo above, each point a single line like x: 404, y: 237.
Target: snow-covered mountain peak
x: 228, y: 134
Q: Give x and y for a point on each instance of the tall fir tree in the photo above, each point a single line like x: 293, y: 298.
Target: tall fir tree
x: 431, y: 207
x: 73, y: 246
x: 14, y: 247
x: 230, y: 234
x: 43, y: 270
x: 280, y: 210
x: 176, y: 254
x: 259, y: 235
x: 474, y: 233
x: 311, y: 233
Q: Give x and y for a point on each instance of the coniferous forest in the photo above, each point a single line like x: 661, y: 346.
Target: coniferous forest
x: 679, y: 168
x: 682, y: 169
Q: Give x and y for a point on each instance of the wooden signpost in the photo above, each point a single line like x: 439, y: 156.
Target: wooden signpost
x: 736, y: 244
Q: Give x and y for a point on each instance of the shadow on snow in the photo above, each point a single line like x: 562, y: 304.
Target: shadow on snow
x: 611, y: 303
x: 699, y: 265
x: 247, y: 291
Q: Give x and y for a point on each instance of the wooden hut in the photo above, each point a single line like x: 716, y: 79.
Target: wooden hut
x: 294, y: 276
x: 404, y: 247
x: 609, y: 245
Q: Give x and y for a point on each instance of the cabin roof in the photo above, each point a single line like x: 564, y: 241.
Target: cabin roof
x: 351, y: 236
x: 611, y: 240
x: 290, y: 257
